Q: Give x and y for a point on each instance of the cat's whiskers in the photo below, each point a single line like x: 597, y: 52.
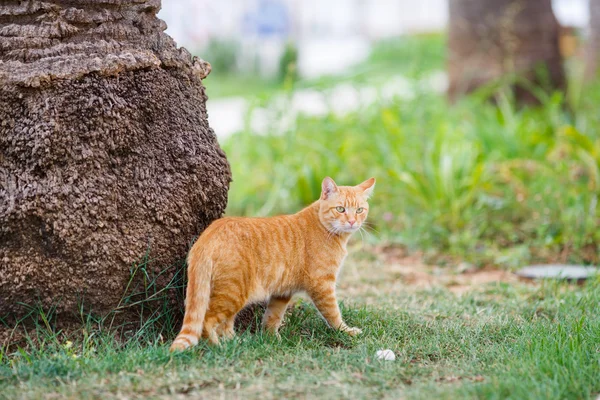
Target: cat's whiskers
x: 330, y: 234
x: 373, y: 235
x: 367, y: 232
x: 366, y: 225
x: 362, y: 238
x: 335, y: 231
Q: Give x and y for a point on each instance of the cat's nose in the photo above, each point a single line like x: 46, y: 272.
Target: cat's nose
x: 351, y: 222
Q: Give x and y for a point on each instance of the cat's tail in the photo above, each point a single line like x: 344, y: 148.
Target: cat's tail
x: 196, y: 300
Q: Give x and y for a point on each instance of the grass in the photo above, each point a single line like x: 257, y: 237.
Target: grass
x: 498, y: 341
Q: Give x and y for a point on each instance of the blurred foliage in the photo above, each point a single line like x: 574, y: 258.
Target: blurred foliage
x: 412, y: 56
x: 489, y: 183
x: 222, y: 55
x: 288, y: 64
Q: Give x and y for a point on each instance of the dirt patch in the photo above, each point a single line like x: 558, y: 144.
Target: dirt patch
x: 371, y: 272
x: 465, y: 282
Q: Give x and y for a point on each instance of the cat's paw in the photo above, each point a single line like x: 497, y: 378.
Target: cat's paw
x: 178, y: 346
x: 273, y: 332
x: 228, y: 335
x: 353, y: 331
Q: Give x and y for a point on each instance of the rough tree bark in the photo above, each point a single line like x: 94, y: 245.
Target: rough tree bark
x: 489, y: 39
x: 593, y: 44
x: 105, y: 151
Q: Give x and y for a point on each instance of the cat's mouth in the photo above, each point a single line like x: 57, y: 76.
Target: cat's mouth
x: 339, y: 228
x: 351, y: 229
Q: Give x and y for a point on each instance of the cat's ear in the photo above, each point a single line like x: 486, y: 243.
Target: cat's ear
x: 328, y: 187
x: 367, y: 187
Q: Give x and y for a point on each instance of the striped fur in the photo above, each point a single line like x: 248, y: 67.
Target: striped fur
x: 237, y: 261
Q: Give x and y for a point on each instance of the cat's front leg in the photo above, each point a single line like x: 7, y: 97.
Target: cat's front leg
x: 274, y: 313
x: 323, y: 296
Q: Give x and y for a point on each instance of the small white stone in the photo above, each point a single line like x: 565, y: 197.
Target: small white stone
x: 386, y: 355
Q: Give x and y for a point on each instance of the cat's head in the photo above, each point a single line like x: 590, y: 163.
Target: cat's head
x: 343, y: 209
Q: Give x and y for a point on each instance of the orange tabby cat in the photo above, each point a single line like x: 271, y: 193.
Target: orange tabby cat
x: 237, y: 261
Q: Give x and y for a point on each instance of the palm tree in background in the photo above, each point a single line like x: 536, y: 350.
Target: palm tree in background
x: 491, y: 39
x: 593, y: 45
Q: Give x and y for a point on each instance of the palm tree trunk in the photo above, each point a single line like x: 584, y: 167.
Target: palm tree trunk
x: 492, y: 39
x: 106, y: 154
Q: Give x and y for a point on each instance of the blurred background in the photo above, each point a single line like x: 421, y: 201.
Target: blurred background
x: 329, y: 37
x: 479, y: 118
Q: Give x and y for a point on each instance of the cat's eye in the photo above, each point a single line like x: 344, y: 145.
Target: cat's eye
x: 340, y: 209
x: 359, y: 210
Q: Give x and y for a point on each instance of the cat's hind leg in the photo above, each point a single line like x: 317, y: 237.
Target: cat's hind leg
x: 211, y: 323
x: 274, y: 313
x: 226, y: 330
x: 222, y: 311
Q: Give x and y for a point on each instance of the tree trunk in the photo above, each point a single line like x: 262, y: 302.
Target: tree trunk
x: 593, y: 44
x: 491, y: 39
x: 106, y: 154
